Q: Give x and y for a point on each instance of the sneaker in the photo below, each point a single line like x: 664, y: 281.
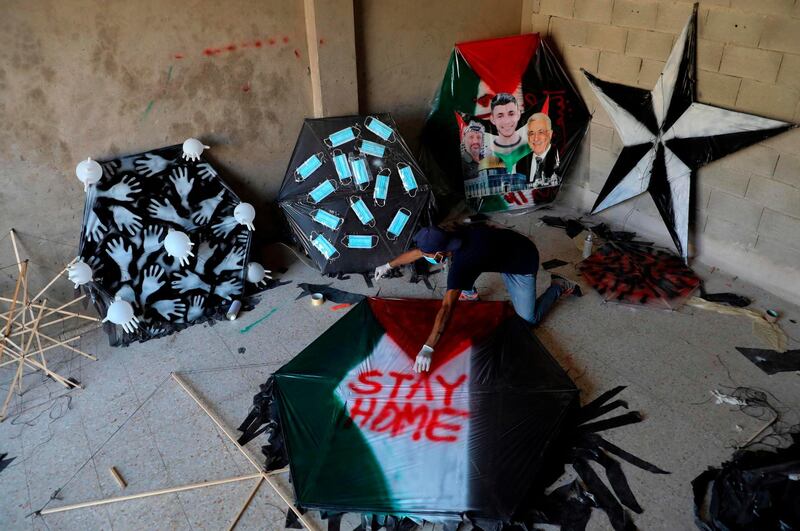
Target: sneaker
x: 469, y: 296
x: 568, y: 287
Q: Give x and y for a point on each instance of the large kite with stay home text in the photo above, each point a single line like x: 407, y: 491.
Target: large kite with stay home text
x: 364, y: 433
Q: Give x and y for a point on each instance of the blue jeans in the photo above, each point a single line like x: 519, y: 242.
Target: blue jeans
x: 522, y: 290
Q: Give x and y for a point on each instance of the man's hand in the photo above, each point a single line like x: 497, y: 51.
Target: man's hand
x: 382, y: 271
x: 423, y: 361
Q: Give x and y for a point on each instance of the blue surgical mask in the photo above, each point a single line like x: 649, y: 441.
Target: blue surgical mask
x: 311, y: 165
x: 379, y: 128
x: 342, y: 136
x: 362, y: 211
x: 434, y: 261
x: 342, y: 166
x: 381, y: 187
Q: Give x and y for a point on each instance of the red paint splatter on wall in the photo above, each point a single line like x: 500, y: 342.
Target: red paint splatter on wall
x: 271, y: 41
x: 285, y: 40
x: 321, y: 42
x: 246, y: 87
x: 178, y: 56
x: 257, y: 44
x: 231, y: 47
x: 297, y: 53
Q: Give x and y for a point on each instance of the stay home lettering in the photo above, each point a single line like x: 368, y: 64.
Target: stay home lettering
x: 418, y: 404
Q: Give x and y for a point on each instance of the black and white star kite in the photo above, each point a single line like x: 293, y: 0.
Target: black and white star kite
x: 667, y: 136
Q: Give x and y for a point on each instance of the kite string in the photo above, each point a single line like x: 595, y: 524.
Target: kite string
x: 91, y: 457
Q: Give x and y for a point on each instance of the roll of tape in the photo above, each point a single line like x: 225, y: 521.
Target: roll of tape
x: 317, y: 299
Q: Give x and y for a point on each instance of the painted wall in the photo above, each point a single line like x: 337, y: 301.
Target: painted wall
x: 403, y: 48
x: 100, y: 79
x: 747, y: 216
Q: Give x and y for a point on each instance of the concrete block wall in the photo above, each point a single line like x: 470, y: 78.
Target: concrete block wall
x: 747, y: 206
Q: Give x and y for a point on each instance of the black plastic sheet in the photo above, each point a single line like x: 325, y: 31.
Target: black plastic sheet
x: 344, y: 223
x: 772, y: 361
x: 127, y: 215
x: 755, y: 490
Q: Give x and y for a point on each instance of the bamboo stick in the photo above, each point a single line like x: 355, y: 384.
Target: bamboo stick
x: 158, y: 492
x: 12, y: 233
x: 246, y: 503
x: 117, y: 477
x: 63, y: 344
x: 221, y: 425
x: 11, y: 312
x: 53, y: 281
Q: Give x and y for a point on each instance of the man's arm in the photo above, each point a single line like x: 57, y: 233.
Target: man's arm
x: 443, y: 317
x: 423, y: 361
x: 406, y: 258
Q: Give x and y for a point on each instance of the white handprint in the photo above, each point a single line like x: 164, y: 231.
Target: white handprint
x: 126, y: 220
x: 125, y: 293
x: 196, y: 305
x: 96, y: 264
x: 150, y: 165
x: 122, y: 256
x: 205, y: 171
x: 207, y: 208
x: 151, y: 282
x: 232, y: 261
x: 183, y: 185
x: 122, y: 190
x: 167, y: 212
x: 224, y: 227
x: 110, y: 168
x: 189, y: 281
x: 228, y: 288
x: 204, y: 252
x: 169, y: 307
x: 151, y: 243
x: 243, y: 237
x: 94, y: 228
x: 154, y: 331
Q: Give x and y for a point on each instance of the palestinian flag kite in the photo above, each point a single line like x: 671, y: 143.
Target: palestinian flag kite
x: 474, y: 437
x: 667, y: 135
x: 353, y: 194
x: 505, y: 125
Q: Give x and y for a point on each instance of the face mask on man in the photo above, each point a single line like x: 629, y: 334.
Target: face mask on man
x: 435, y: 260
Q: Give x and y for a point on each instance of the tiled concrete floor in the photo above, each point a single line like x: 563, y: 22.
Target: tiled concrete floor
x: 133, y: 416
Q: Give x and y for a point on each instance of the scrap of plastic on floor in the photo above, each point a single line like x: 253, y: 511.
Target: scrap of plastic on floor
x: 475, y: 142
x: 667, y: 136
x: 772, y: 361
x: 754, y: 490
x: 770, y: 333
x: 478, y: 439
x: 353, y: 194
x: 639, y: 274
x: 160, y: 232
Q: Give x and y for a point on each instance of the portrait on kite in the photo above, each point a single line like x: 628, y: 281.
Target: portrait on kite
x: 517, y: 118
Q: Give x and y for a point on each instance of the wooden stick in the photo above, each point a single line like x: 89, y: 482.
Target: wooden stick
x: 221, y: 425
x: 59, y: 309
x: 53, y: 281
x: 11, y: 311
x: 63, y: 344
x: 246, y: 503
x: 14, y: 243
x: 158, y: 492
x: 116, y: 475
